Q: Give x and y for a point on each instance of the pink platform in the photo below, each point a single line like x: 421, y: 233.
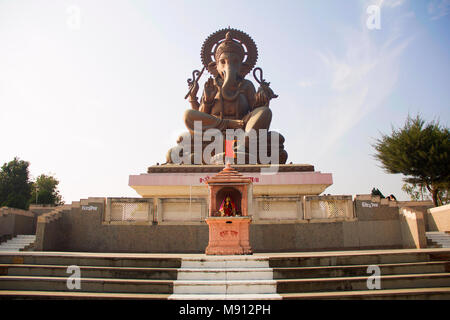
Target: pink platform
x: 199, y: 178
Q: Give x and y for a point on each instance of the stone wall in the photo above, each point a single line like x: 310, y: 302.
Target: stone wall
x: 412, y: 225
x: 84, y: 226
x: 16, y: 221
x: 438, y: 219
x: 39, y: 209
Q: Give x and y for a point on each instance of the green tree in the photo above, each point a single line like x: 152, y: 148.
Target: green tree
x: 420, y: 151
x: 45, y: 191
x: 419, y: 192
x: 15, y: 186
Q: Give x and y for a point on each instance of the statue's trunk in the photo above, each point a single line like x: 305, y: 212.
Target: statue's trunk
x: 230, y: 88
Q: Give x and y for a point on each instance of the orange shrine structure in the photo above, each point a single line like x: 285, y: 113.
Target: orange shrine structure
x: 228, y: 221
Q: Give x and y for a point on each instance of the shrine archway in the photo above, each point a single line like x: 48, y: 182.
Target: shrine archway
x: 235, y: 195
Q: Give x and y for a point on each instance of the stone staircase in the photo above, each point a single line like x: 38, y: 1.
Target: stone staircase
x: 436, y: 239
x: 19, y: 243
x: 42, y: 275
x: 404, y: 274
x: 225, y: 278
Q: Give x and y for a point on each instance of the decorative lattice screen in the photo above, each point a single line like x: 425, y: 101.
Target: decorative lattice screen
x: 265, y: 205
x: 333, y: 209
x: 325, y: 209
x: 129, y: 211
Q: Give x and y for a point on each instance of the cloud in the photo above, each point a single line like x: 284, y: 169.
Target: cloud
x: 306, y: 83
x: 388, y: 3
x: 391, y: 3
x: 438, y: 9
x: 359, y: 79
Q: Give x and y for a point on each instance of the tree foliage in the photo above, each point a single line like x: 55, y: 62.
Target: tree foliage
x: 420, y: 151
x: 17, y: 191
x: 418, y: 192
x: 45, y: 191
x: 15, y: 186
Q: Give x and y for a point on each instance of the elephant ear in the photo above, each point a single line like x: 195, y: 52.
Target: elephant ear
x: 212, y: 68
x: 245, y: 69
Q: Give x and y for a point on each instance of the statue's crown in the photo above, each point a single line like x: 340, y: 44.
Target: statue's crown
x: 231, y: 46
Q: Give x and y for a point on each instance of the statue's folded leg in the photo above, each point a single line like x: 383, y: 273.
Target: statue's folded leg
x: 259, y: 118
x: 208, y: 121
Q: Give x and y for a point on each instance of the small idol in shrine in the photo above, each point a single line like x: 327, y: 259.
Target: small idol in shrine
x: 227, y: 208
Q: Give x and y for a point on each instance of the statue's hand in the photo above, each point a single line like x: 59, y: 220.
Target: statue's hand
x: 210, y: 90
x: 194, y: 90
x: 264, y: 95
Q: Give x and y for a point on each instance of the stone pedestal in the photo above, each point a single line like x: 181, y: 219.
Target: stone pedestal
x: 229, y: 236
x: 177, y: 181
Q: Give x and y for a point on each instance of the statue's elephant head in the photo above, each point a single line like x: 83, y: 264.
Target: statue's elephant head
x: 229, y: 67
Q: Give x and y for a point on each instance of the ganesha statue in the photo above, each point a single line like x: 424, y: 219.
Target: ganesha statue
x: 229, y: 102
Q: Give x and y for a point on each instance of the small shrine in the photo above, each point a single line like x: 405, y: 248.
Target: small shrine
x: 228, y: 219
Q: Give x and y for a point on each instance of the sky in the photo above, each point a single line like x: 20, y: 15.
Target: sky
x: 92, y: 91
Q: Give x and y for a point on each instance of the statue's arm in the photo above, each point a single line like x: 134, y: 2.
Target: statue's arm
x: 194, y: 103
x: 205, y: 106
x: 193, y: 100
x: 208, y: 96
x: 255, y: 98
x: 261, y: 98
x: 251, y: 94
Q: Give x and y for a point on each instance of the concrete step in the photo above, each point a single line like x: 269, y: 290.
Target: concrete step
x: 75, y: 295
x: 14, y: 245
x: 224, y: 278
x: 217, y: 262
x: 360, y: 283
x: 438, y: 243
x: 19, y: 246
x: 244, y: 296
x: 20, y: 240
x: 87, y: 284
x: 440, y: 235
x: 225, y: 274
x: 360, y: 270
x: 18, y: 243
x: 25, y: 236
x: 388, y: 294
x: 442, y: 243
x: 160, y: 276
x: 225, y: 287
x: 440, y: 239
x: 92, y: 259
x: 351, y: 258
x: 89, y: 272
